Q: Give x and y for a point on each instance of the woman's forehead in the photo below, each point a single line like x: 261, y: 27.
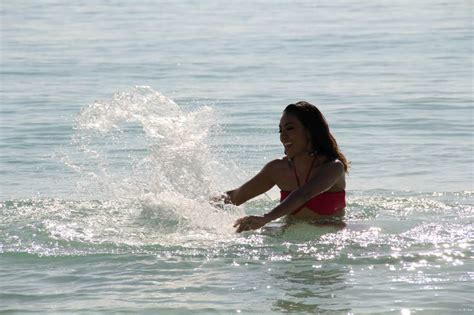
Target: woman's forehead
x: 288, y: 118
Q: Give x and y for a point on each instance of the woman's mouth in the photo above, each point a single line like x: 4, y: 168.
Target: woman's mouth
x: 287, y: 144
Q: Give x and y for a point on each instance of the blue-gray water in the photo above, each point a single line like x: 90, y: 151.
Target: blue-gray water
x: 119, y: 119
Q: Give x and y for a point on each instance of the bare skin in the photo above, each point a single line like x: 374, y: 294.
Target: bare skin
x: 324, y: 176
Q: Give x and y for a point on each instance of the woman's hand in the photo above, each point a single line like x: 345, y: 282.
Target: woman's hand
x: 250, y: 223
x: 219, y: 200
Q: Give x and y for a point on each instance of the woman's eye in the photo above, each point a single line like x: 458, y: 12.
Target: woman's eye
x: 286, y: 129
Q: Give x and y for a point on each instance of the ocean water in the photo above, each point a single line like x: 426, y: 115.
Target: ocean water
x: 120, y: 119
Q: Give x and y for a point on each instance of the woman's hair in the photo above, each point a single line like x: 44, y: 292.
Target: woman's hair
x: 321, y: 138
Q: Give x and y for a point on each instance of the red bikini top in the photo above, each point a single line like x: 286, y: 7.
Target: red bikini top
x: 327, y: 203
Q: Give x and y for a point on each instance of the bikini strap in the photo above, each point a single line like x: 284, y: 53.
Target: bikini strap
x: 309, y: 171
x: 307, y: 175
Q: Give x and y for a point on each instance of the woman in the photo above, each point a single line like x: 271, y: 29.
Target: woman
x: 311, y: 177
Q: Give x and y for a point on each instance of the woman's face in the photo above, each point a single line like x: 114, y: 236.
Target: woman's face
x: 294, y: 136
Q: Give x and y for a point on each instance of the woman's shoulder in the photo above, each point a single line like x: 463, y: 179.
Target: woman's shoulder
x: 275, y: 168
x: 334, y: 164
x: 277, y: 164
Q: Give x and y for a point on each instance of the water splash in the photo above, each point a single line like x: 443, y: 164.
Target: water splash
x: 140, y: 146
x: 177, y: 156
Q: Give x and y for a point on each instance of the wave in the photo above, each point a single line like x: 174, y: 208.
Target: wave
x: 172, y: 225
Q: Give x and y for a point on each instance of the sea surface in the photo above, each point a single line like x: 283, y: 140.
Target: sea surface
x: 119, y: 120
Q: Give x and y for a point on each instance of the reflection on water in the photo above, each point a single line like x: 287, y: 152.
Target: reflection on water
x: 306, y: 272
x: 307, y: 288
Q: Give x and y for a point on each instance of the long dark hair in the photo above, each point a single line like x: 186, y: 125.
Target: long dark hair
x: 321, y: 138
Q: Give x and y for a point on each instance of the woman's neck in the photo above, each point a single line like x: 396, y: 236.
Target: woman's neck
x: 304, y: 159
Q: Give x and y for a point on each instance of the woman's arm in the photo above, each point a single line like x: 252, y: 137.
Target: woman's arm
x: 327, y: 177
x: 259, y: 184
